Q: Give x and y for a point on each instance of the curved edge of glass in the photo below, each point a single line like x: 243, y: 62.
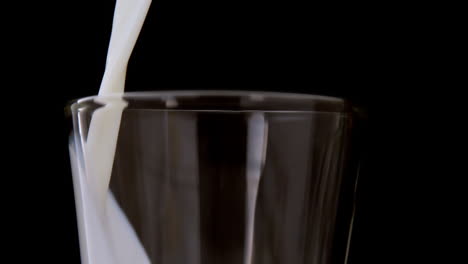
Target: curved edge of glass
x: 219, y: 100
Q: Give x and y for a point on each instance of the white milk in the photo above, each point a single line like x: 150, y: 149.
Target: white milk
x: 106, y: 236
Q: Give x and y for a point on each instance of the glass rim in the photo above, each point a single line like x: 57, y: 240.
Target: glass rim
x: 253, y: 101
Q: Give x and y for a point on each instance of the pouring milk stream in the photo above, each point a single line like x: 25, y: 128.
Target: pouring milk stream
x: 108, y: 237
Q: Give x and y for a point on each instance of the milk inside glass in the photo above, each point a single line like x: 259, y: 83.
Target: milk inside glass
x: 106, y: 236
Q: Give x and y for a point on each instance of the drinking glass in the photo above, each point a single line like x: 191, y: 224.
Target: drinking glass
x: 210, y: 177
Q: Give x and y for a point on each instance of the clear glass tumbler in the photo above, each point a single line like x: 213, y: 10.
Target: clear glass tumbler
x: 211, y: 177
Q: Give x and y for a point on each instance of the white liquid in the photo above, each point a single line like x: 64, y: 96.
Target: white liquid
x: 106, y: 236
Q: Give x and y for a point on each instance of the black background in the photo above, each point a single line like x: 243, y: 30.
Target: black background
x: 359, y: 51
